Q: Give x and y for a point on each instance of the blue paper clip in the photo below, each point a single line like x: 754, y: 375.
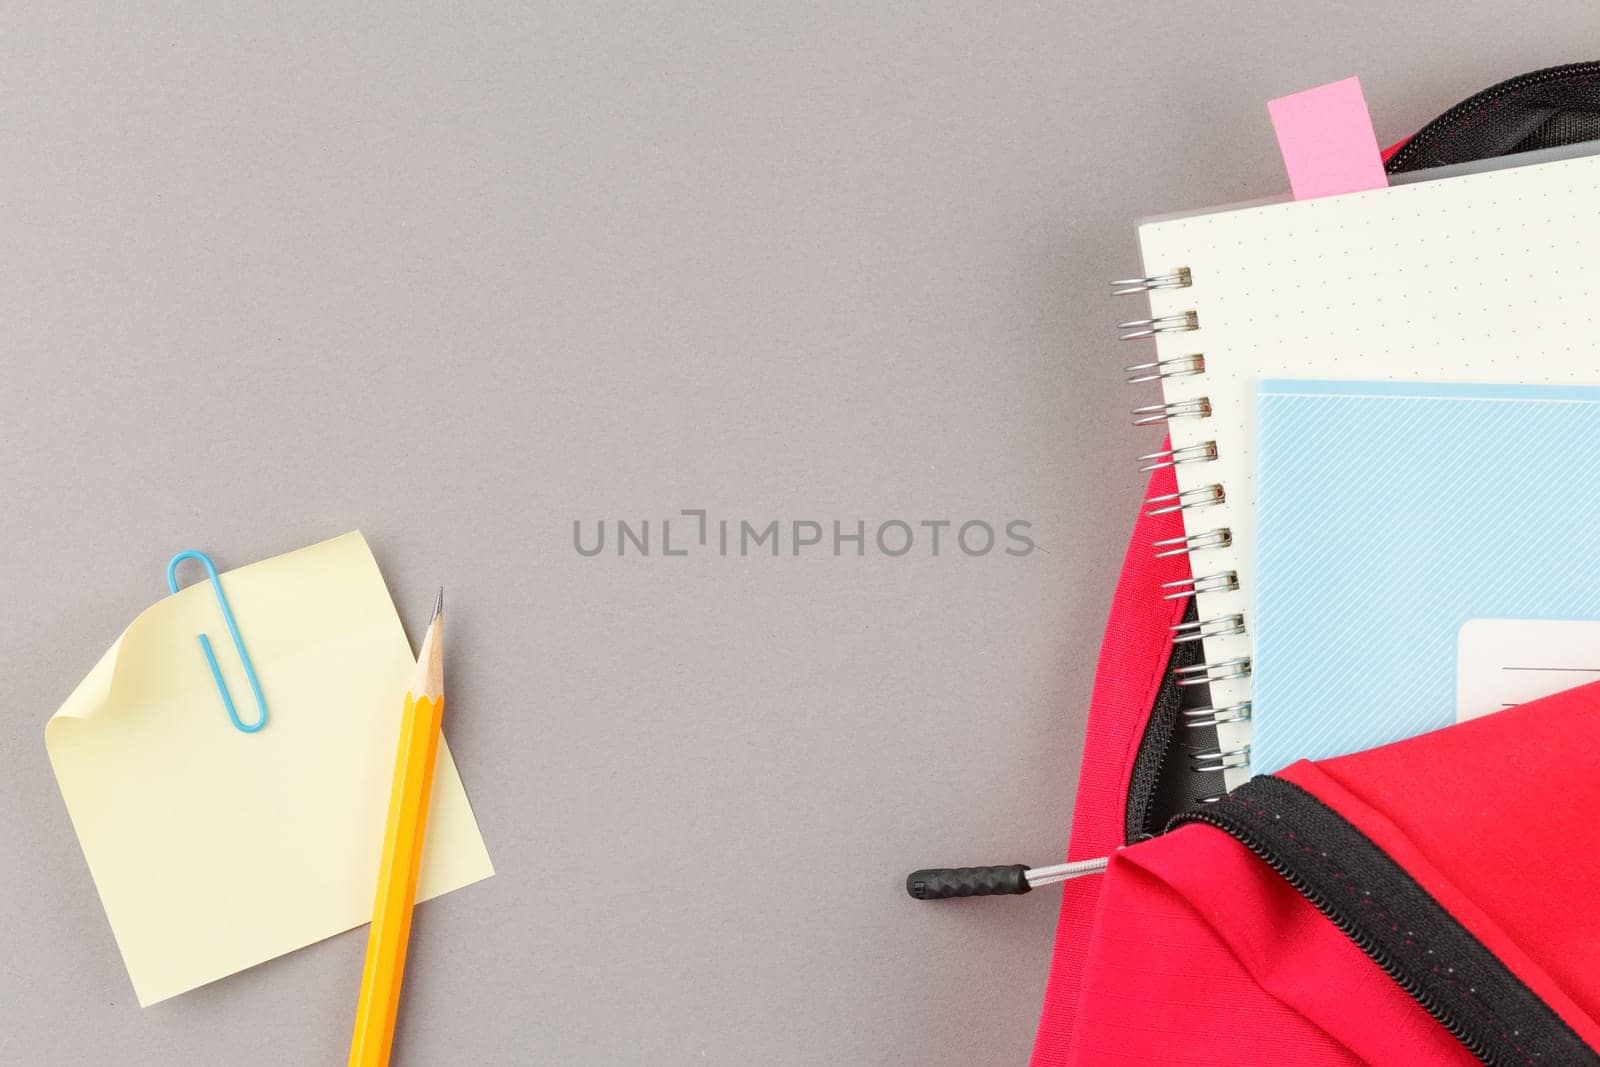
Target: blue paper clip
x: 238, y: 643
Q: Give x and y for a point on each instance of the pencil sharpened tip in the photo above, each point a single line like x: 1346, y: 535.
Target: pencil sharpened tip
x: 438, y: 607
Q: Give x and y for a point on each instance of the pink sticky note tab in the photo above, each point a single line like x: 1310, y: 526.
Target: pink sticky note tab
x: 1326, y: 138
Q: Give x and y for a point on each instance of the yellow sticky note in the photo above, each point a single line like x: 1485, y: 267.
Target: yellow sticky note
x: 214, y: 850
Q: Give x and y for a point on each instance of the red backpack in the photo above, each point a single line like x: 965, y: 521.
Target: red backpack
x: 1410, y: 904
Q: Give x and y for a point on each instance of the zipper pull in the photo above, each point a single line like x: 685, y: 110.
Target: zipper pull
x: 941, y: 883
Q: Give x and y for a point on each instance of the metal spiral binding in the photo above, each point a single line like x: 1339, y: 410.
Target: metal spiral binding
x: 1200, y: 629
x: 1223, y: 759
x: 1182, y: 322
x: 1150, y: 414
x: 1183, y: 546
x: 1198, y: 718
x: 1156, y: 370
x: 1201, y: 497
x: 1178, y: 279
x: 1221, y: 582
x: 1220, y: 671
x: 1185, y: 501
x: 1176, y: 457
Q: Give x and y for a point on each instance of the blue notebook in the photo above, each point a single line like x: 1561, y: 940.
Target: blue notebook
x: 1390, y: 514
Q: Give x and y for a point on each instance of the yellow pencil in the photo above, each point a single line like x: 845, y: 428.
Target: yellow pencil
x: 402, y: 853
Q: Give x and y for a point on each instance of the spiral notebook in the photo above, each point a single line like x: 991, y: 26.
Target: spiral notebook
x: 1394, y: 522
x: 1479, y: 277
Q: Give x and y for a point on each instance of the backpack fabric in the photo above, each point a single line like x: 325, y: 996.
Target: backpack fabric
x: 1430, y: 901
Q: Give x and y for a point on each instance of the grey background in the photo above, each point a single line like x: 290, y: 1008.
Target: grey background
x: 271, y: 273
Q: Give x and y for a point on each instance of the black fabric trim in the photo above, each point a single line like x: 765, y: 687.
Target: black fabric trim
x: 1543, y: 109
x: 1163, y: 781
x: 1397, y: 923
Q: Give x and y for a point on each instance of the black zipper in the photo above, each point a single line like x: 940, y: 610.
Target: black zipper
x: 1163, y: 781
x: 1443, y: 126
x: 1150, y: 761
x: 1384, y: 961
x: 1506, y: 1021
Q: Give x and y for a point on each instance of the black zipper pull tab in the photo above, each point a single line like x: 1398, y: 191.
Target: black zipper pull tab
x: 942, y: 883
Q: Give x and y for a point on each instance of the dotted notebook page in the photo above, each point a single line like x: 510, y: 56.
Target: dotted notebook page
x: 1485, y: 277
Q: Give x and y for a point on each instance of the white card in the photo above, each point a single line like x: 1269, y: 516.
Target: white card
x: 1501, y: 663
